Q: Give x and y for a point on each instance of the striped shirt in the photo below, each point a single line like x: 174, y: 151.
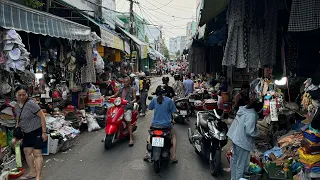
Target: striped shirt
x: 29, y: 121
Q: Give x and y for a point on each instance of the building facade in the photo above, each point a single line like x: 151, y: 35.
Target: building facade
x: 139, y: 25
x: 177, y: 44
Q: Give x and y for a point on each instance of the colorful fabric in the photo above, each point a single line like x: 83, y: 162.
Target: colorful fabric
x: 308, y: 158
x: 311, y: 136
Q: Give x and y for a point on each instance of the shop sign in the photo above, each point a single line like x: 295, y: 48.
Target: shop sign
x: 118, y: 43
x: 134, y: 55
x: 107, y: 38
x: 127, y: 47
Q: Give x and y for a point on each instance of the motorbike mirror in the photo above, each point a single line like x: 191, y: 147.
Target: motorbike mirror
x: 150, y: 98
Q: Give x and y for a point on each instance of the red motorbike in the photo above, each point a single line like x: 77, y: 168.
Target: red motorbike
x: 116, y: 127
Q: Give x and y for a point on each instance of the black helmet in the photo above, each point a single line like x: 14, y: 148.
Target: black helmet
x: 165, y: 80
x: 176, y: 77
x: 161, y: 89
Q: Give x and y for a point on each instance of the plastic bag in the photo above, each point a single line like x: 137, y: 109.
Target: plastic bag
x: 18, y: 155
x: 92, y: 123
x: 3, y: 139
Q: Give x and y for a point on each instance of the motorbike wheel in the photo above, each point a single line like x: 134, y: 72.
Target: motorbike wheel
x: 108, y: 141
x: 156, y: 166
x: 215, y: 163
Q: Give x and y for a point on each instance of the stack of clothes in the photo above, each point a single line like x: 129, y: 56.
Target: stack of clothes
x: 7, y: 117
x: 309, y: 153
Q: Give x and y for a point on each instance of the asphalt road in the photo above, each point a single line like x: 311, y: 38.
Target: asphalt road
x: 88, y: 160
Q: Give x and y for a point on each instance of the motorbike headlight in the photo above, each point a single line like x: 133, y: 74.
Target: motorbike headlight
x: 117, y: 102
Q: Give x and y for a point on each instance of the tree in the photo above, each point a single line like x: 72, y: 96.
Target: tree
x: 166, y: 52
x: 178, y: 53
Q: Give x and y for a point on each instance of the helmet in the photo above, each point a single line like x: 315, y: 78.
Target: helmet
x: 176, y: 76
x: 161, y: 89
x: 132, y: 75
x: 165, y: 80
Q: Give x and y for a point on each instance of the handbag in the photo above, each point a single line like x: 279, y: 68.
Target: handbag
x: 17, y: 132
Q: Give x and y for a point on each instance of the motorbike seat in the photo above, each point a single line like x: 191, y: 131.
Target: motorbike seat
x: 203, y: 120
x: 216, y: 113
x: 159, y: 128
x: 181, y: 99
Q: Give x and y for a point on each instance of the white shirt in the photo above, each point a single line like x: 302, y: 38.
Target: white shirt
x: 136, y: 86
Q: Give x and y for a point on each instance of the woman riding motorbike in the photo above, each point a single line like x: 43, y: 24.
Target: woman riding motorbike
x: 163, y: 108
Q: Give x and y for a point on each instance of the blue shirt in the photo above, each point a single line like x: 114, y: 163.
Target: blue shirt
x: 188, y: 86
x: 162, y: 112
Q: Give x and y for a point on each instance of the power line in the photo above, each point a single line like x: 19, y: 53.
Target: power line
x: 173, y: 6
x: 153, y: 20
x: 169, y: 6
x: 164, y: 21
x: 162, y: 6
x: 166, y: 14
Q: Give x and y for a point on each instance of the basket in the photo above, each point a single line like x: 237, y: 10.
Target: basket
x: 16, y: 176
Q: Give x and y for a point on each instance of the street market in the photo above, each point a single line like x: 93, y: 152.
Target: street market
x: 91, y: 92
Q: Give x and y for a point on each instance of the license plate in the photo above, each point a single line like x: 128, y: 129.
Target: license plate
x: 157, y: 141
x: 183, y: 113
x: 192, y: 100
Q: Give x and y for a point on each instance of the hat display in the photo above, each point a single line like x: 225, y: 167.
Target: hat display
x: 8, y: 47
x: 14, y: 54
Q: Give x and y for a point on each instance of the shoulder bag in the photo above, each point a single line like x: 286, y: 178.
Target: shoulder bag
x: 17, y: 132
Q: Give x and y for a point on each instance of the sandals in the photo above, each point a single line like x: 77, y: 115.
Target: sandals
x: 27, y: 177
x: 131, y: 144
x: 174, y: 161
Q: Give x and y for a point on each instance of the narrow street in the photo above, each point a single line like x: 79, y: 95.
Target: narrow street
x: 88, y: 160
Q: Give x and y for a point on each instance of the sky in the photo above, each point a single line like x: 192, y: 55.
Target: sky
x: 173, y: 15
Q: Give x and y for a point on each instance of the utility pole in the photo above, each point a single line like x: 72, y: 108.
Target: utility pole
x: 132, y: 32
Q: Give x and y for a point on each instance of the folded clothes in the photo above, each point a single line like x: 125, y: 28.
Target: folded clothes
x: 309, y: 148
x: 309, y: 166
x: 311, y: 136
x: 308, y: 158
x: 275, y: 150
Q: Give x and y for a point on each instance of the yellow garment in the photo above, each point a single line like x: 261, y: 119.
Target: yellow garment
x: 3, y: 139
x: 141, y: 85
x: 308, y: 158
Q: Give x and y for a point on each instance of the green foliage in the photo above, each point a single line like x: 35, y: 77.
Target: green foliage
x: 166, y: 52
x: 146, y: 39
x: 35, y: 4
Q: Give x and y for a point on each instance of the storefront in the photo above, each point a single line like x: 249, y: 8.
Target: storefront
x: 55, y: 58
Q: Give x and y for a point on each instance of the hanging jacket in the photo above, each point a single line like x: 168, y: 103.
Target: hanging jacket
x: 243, y: 129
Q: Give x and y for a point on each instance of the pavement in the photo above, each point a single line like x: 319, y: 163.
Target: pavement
x: 88, y: 160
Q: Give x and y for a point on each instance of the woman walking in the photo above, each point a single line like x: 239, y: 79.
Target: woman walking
x: 31, y: 120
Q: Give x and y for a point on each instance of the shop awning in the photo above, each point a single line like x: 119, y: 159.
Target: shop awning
x: 210, y: 9
x: 22, y: 18
x: 108, y: 38
x: 143, y: 47
x: 154, y: 54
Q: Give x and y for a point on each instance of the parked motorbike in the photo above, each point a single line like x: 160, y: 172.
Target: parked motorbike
x: 159, y: 147
x: 209, y: 138
x: 183, y: 112
x: 116, y: 127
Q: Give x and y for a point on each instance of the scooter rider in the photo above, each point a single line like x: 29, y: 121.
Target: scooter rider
x: 169, y: 90
x: 128, y: 93
x: 163, y: 108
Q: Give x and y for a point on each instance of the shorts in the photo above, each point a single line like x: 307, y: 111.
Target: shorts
x: 128, y: 115
x: 33, y: 140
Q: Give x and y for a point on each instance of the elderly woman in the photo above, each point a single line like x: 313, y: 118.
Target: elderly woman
x: 32, y: 122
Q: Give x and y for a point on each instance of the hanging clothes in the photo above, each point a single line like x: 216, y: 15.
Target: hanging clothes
x: 88, y: 72
x: 269, y: 33
x: 304, y: 15
x: 252, y: 33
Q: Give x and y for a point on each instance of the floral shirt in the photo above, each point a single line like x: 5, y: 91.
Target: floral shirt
x: 179, y: 88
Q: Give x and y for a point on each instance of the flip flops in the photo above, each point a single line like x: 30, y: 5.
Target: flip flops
x: 131, y: 144
x: 27, y: 177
